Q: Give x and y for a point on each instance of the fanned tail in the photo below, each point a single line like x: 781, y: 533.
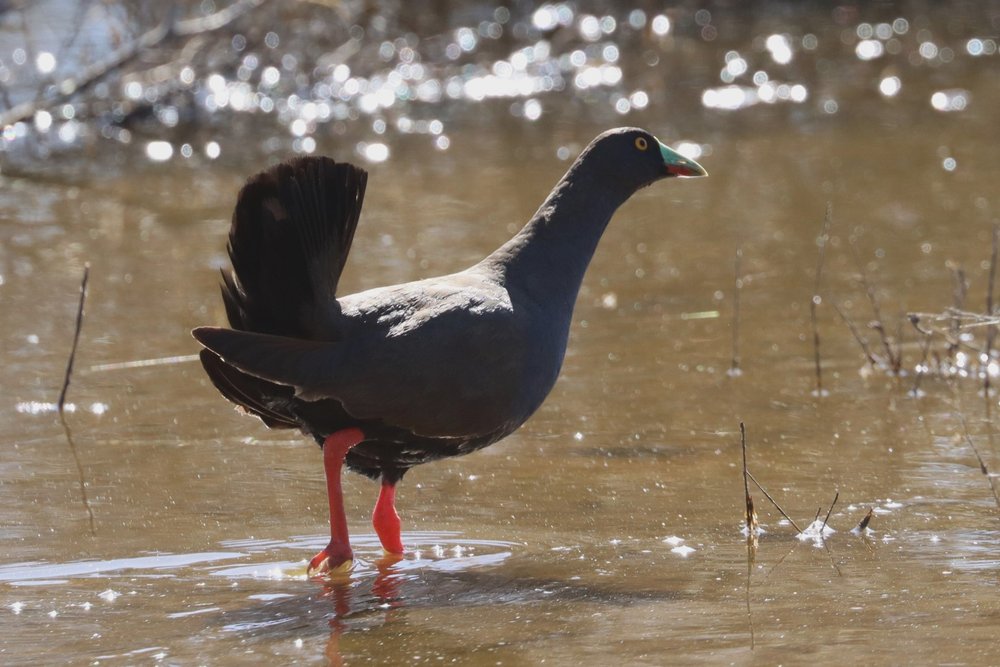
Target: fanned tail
x: 290, y: 236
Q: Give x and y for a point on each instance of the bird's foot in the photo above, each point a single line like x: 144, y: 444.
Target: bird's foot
x: 331, y: 560
x: 385, y: 521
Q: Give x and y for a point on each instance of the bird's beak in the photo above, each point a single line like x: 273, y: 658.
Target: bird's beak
x: 678, y: 165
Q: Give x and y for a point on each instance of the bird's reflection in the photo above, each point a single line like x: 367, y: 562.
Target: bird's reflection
x: 338, y: 591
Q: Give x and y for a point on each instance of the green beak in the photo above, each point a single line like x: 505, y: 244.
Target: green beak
x: 678, y: 165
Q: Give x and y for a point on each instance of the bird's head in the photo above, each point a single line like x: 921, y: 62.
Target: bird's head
x: 633, y: 158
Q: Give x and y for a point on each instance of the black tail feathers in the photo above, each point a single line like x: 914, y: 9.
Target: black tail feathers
x: 290, y: 236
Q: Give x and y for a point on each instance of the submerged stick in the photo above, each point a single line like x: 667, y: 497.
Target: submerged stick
x: 816, y: 299
x: 76, y: 339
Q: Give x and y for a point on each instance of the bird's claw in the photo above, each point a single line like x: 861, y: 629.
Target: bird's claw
x: 322, y: 564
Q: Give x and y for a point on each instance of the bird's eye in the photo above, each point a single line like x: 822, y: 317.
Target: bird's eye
x: 641, y: 143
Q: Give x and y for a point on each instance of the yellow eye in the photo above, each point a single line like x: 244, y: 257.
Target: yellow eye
x: 641, y: 143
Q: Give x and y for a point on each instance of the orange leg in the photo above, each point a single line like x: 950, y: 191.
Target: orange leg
x: 338, y: 552
x: 385, y: 519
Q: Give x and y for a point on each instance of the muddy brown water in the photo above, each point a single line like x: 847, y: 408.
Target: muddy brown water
x: 608, y: 529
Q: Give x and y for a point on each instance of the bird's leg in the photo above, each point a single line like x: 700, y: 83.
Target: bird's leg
x: 337, y: 554
x: 385, y: 519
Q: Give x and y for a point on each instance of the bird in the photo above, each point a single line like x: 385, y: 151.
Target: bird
x: 392, y: 377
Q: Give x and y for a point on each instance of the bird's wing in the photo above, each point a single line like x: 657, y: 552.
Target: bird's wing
x: 440, y: 364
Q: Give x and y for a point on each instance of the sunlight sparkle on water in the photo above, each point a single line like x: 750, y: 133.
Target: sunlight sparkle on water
x: 45, y: 62
x: 40, y: 407
x: 816, y: 532
x: 548, y: 17
x: 954, y: 99
x: 661, y: 24
x: 689, y: 149
x: 43, y: 121
x: 976, y: 47
x: 159, y: 151
x: 890, y: 86
x: 869, y: 49
x: 374, y: 152
x: 780, y: 48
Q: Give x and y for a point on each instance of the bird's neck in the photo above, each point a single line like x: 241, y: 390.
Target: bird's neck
x: 549, y: 256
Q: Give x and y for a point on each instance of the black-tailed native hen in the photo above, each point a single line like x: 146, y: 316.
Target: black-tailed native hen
x: 396, y: 376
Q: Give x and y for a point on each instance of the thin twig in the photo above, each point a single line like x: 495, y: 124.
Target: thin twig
x: 872, y: 361
x: 982, y: 463
x: 76, y: 340
x: 773, y: 501
x: 891, y: 356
